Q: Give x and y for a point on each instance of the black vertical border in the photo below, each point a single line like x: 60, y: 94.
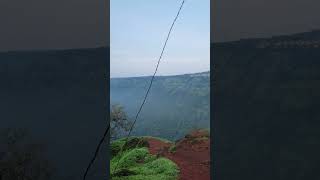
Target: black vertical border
x: 107, y: 81
x: 212, y: 104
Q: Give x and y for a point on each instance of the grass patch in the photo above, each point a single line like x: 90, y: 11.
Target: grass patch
x: 136, y: 163
x: 132, y: 142
x: 173, y: 149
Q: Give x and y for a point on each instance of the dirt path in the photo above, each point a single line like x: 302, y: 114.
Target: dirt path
x: 192, y: 156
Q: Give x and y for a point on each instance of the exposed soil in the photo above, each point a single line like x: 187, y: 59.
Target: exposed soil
x: 192, y: 154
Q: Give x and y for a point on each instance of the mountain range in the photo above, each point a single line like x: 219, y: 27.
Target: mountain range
x: 265, y: 116
x: 175, y: 105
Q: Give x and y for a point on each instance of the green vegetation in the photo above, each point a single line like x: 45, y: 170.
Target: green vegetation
x: 176, y: 104
x: 119, y: 122
x: 21, y: 157
x: 173, y: 148
x: 132, y: 142
x: 136, y: 163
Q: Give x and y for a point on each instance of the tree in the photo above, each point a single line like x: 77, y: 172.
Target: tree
x: 21, y: 159
x: 119, y: 123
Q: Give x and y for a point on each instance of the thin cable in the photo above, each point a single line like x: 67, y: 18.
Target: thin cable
x: 96, y: 152
x: 151, y: 82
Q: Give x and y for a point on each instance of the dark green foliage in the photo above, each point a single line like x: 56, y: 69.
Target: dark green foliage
x: 173, y: 149
x: 20, y: 158
x: 132, y: 142
x: 136, y: 163
x: 119, y: 122
x: 123, y: 172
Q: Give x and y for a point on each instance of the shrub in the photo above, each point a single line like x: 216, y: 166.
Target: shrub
x: 136, y: 163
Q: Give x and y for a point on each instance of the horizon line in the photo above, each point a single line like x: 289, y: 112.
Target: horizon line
x: 143, y: 76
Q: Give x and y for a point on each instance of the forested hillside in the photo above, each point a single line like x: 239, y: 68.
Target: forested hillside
x: 176, y: 104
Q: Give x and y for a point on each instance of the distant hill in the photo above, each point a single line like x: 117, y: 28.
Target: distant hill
x: 299, y: 40
x: 176, y: 104
x: 267, y: 98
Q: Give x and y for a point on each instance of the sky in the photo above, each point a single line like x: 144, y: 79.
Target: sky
x: 53, y: 24
x: 236, y: 19
x: 65, y: 24
x: 138, y: 30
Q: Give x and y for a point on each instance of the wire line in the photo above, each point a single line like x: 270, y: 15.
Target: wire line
x: 152, y: 79
x: 142, y: 104
x: 96, y: 152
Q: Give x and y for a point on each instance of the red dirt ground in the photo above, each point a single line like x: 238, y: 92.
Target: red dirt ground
x: 192, y: 155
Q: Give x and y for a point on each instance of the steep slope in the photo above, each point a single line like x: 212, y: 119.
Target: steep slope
x: 157, y: 158
x: 175, y: 104
x: 267, y: 108
x: 191, y: 154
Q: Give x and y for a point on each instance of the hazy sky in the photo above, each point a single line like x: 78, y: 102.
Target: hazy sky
x: 52, y: 24
x: 139, y: 28
x: 235, y: 19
